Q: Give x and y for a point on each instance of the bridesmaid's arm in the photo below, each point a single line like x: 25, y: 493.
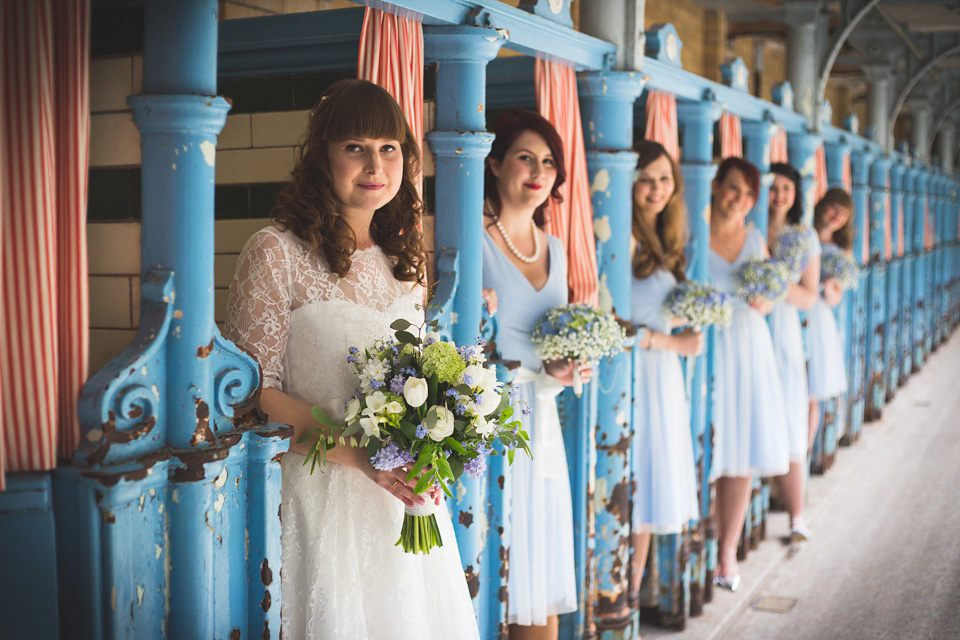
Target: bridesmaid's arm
x: 832, y: 293
x: 803, y: 294
x: 688, y: 342
x: 286, y: 409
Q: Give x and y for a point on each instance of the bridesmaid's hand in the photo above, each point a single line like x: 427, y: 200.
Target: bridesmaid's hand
x: 688, y: 342
x: 562, y: 370
x: 832, y: 293
x: 762, y: 305
x: 490, y: 297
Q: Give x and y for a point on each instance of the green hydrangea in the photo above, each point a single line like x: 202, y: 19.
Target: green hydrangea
x: 442, y: 360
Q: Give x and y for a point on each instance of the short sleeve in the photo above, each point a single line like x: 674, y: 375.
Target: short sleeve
x: 813, y: 246
x: 259, y: 303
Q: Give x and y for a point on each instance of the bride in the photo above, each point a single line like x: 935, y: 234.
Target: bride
x: 344, y: 259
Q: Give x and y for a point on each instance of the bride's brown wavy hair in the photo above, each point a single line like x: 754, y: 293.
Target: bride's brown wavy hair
x: 660, y: 246
x: 354, y: 109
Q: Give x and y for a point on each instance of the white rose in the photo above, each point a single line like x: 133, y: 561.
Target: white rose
x: 394, y: 407
x: 489, y: 401
x: 415, y: 391
x: 375, y: 402
x: 474, y: 373
x: 444, y: 425
x: 353, y: 408
x: 371, y: 426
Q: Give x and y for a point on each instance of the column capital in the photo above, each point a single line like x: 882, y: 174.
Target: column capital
x: 179, y: 113
x: 879, y: 170
x: 625, y: 86
x: 464, y: 144
x: 877, y: 71
x: 797, y: 12
x: 606, y: 107
x: 760, y: 129
x: 860, y: 160
x: 694, y: 110
x: 461, y: 43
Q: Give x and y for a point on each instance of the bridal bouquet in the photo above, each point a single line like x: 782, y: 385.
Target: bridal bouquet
x: 577, y: 332
x: 761, y: 277
x: 841, y: 268
x: 429, y: 405
x: 791, y: 246
x: 699, y: 305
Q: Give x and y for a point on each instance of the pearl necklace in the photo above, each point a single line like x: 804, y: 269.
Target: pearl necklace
x: 513, y: 249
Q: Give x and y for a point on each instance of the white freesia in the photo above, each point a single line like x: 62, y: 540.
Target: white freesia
x: 353, y: 408
x: 415, y: 391
x: 490, y: 382
x: 375, y: 369
x: 394, y: 407
x: 371, y: 426
x: 444, y: 424
x: 483, y: 427
x: 376, y: 401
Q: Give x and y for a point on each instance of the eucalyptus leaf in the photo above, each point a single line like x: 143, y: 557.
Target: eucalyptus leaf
x: 405, y: 337
x: 400, y: 324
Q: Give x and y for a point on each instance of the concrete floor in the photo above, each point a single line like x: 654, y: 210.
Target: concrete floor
x: 884, y: 561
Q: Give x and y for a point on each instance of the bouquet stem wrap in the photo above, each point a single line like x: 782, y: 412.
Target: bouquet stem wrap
x: 420, y: 532
x: 547, y: 435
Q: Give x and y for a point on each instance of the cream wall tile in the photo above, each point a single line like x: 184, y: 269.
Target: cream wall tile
x: 243, y: 166
x: 279, y: 129
x: 429, y: 115
x: 223, y: 267
x: 137, y: 75
x: 299, y: 6
x: 110, y: 83
x: 426, y: 159
x: 235, y: 133
x: 107, y: 343
x: 110, y: 302
x: 231, y: 235
x: 231, y: 11
x: 220, y: 305
x: 135, y: 301
x: 428, y: 231
x: 113, y: 248
x: 114, y: 140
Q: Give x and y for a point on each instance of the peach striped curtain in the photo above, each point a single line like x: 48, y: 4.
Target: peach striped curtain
x: 820, y: 172
x: 572, y: 220
x: 778, y: 147
x: 847, y: 174
x: 927, y: 224
x: 44, y: 129
x: 661, y: 112
x: 731, y: 140
x: 391, y: 55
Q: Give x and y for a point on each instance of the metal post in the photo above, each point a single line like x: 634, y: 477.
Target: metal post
x: 920, y: 112
x: 877, y: 290
x: 460, y: 144
x: 801, y: 150
x: 606, y: 103
x: 908, y: 305
x: 920, y: 269
x: 756, y: 145
x: 168, y: 459
x: 894, y: 296
x: 878, y: 102
x: 697, y: 119
x: 802, y: 18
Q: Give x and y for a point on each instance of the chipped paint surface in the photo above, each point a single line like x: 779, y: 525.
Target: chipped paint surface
x: 601, y: 228
x: 139, y: 596
x: 157, y: 551
x: 705, y: 214
x: 221, y: 479
x: 601, y: 181
x: 209, y: 152
x: 218, y: 503
x: 604, y: 297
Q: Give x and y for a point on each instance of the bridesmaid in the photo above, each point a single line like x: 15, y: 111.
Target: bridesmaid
x: 833, y: 221
x: 665, y: 487
x: 786, y: 207
x: 750, y: 431
x: 527, y: 270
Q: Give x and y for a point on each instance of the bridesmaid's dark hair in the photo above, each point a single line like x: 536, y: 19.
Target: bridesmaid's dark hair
x: 842, y: 237
x: 795, y: 214
x: 510, y: 125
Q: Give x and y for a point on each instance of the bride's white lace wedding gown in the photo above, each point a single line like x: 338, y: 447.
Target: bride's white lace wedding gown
x: 342, y: 577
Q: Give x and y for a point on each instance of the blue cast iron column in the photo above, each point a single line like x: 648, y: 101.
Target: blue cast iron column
x: 169, y: 517
x: 801, y: 150
x: 934, y: 207
x: 877, y: 290
x: 460, y: 144
x: 860, y: 159
x: 920, y: 269
x: 907, y: 304
x: 756, y: 147
x: 606, y: 103
x: 837, y: 154
x: 697, y: 120
x: 894, y: 280
x: 938, y: 252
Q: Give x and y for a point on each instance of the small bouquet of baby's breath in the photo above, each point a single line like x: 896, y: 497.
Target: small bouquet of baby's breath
x: 577, y: 332
x: 427, y: 405
x: 791, y: 246
x: 841, y: 268
x: 762, y: 278
x: 699, y: 305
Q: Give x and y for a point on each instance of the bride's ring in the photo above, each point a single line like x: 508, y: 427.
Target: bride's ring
x: 394, y: 484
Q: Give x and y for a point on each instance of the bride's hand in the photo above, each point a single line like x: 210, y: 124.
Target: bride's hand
x: 395, y: 482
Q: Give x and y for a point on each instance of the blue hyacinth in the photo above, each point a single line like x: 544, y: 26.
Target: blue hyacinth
x: 390, y: 457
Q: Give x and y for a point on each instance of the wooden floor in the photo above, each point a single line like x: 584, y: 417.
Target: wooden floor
x: 884, y: 561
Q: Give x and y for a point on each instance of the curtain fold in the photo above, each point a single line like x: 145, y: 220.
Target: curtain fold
x: 44, y: 128
x: 391, y: 55
x: 820, y: 172
x: 661, y: 113
x: 778, y: 147
x: 731, y: 139
x: 572, y: 220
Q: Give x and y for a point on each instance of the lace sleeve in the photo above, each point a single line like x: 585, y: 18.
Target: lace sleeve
x: 259, y: 303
